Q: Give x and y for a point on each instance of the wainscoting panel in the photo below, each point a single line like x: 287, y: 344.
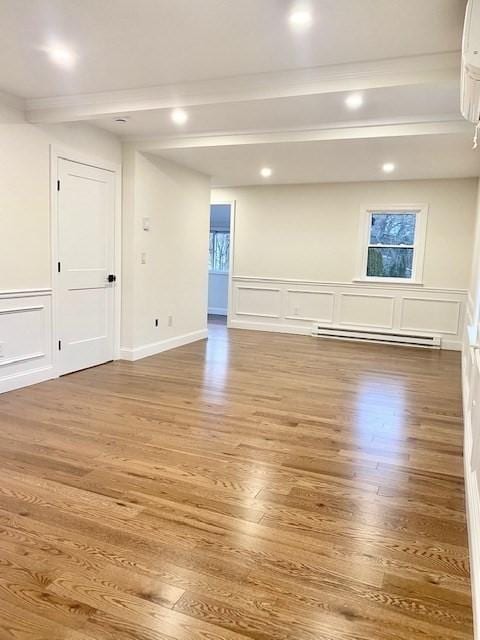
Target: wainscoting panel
x: 258, y: 301
x: 296, y: 306
x: 441, y: 316
x: 25, y: 338
x: 471, y: 453
x: 367, y: 310
x: 308, y: 305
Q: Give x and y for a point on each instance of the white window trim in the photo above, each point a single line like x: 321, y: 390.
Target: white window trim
x: 418, y: 248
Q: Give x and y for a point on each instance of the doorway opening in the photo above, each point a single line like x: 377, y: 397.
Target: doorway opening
x: 219, y: 262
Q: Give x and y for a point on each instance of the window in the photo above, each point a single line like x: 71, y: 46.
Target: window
x: 219, y: 251
x: 395, y: 238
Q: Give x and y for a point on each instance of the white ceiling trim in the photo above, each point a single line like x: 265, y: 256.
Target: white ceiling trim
x: 389, y: 130
x: 425, y: 69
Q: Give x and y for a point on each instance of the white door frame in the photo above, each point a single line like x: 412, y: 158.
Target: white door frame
x: 231, y: 257
x: 63, y: 153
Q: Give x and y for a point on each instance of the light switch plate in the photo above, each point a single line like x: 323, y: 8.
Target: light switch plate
x: 146, y: 224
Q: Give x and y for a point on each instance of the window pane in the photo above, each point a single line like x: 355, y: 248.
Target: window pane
x: 210, y: 253
x: 392, y: 228
x: 389, y: 263
x: 221, y: 248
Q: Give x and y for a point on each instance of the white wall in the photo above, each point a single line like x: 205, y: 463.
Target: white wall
x: 218, y: 293
x: 297, y: 256
x: 474, y: 284
x: 25, y: 191
x: 25, y: 257
x: 471, y: 411
x: 173, y: 281
x: 310, y: 232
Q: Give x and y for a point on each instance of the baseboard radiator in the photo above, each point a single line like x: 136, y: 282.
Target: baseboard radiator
x: 414, y: 340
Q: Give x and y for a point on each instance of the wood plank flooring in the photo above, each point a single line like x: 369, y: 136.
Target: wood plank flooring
x: 256, y: 486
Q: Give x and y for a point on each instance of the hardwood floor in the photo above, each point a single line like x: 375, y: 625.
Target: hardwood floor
x: 256, y: 486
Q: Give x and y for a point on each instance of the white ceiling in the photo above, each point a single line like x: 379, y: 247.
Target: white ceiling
x: 124, y: 44
x: 417, y: 157
x: 257, y: 92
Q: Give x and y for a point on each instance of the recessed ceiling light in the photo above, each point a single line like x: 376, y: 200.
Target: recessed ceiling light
x: 354, y: 101
x: 179, y: 116
x: 388, y: 167
x: 61, y: 55
x: 300, y: 18
x: 266, y: 172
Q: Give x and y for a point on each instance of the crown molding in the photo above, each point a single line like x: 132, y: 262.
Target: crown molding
x: 331, y: 132
x: 424, y: 69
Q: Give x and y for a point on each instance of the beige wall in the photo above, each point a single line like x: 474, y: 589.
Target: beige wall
x: 173, y: 282
x: 24, y: 191
x: 311, y: 232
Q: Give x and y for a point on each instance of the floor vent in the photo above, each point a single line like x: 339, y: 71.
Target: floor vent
x: 415, y: 340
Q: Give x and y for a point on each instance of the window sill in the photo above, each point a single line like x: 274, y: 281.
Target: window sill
x: 380, y: 281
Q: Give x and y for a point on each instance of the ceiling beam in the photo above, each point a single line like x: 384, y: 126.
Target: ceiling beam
x: 347, y: 132
x: 414, y: 70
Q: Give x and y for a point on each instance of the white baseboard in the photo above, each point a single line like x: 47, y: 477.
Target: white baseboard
x: 451, y: 345
x: 164, y: 345
x: 26, y: 378
x: 305, y: 330
x: 217, y: 311
x: 271, y: 327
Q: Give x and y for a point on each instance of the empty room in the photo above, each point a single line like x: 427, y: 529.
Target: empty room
x: 239, y: 320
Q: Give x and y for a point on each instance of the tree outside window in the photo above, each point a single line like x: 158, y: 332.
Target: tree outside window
x: 391, y: 244
x: 219, y: 251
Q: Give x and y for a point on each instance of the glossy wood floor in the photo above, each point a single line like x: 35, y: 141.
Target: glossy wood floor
x: 256, y: 486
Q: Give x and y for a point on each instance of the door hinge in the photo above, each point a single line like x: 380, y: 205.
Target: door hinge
x: 59, y: 267
x: 59, y: 345
x: 58, y: 185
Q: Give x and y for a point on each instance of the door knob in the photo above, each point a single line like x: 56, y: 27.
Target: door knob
x: 111, y: 277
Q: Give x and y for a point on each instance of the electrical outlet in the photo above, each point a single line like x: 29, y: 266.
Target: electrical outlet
x: 143, y: 258
x: 170, y: 321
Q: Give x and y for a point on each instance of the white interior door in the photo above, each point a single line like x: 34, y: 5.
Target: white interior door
x: 85, y: 296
